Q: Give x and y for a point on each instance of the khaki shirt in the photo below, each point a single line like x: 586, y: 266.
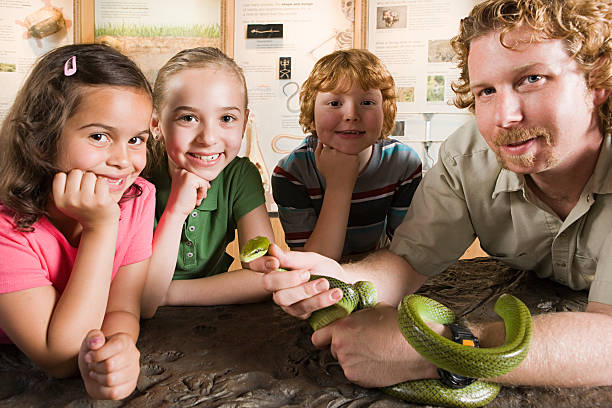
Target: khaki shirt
x: 467, y: 194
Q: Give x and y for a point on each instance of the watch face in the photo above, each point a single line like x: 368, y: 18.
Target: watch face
x: 463, y: 336
x: 453, y: 380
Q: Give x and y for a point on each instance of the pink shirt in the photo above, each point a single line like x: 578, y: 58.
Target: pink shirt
x: 45, y: 257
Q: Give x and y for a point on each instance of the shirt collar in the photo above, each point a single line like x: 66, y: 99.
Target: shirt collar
x: 601, y: 182
x: 507, y: 182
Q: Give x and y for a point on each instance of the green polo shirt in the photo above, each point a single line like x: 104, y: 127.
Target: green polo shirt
x: 211, y: 226
x: 467, y: 194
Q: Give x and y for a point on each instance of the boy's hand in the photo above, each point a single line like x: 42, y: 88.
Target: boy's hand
x: 83, y: 196
x: 338, y: 169
x: 187, y: 191
x: 109, y: 367
x: 291, y: 289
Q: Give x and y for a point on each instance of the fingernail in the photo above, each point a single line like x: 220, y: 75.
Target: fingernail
x: 336, y: 294
x: 269, y: 265
x: 305, y: 276
x: 320, y: 286
x: 94, y: 341
x: 88, y: 358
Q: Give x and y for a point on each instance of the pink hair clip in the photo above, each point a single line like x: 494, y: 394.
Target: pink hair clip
x: 70, y: 66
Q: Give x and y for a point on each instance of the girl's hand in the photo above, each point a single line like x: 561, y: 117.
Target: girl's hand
x: 338, y: 169
x: 83, y: 196
x: 187, y: 192
x: 109, y: 367
x: 263, y: 264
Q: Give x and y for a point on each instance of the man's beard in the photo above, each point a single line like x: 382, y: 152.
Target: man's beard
x: 518, y: 135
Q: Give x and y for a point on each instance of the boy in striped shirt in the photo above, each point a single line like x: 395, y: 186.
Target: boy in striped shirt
x: 347, y: 186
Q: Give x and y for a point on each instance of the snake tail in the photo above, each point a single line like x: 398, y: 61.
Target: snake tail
x: 343, y: 308
x: 465, y: 360
x: 434, y: 392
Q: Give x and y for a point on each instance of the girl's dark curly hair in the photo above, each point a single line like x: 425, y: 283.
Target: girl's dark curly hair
x: 31, y: 131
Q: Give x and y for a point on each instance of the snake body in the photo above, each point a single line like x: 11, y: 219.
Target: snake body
x: 413, y: 311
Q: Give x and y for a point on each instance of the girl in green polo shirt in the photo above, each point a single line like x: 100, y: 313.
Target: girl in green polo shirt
x: 204, y: 191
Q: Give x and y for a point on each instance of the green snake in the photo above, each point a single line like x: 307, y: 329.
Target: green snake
x: 413, y: 311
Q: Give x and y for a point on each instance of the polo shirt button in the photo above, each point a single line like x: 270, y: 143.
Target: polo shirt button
x: 194, y: 214
x: 191, y: 228
x: 189, y: 254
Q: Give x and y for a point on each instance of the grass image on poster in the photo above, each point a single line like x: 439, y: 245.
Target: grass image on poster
x: 150, y: 31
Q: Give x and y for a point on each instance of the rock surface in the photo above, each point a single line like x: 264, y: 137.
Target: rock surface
x: 257, y: 356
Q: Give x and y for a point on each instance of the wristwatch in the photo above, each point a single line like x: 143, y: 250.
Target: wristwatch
x: 463, y: 336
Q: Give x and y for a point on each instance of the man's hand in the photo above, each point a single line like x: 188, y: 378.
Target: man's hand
x: 338, y: 169
x: 83, y: 196
x: 371, y: 349
x: 109, y: 367
x: 291, y: 289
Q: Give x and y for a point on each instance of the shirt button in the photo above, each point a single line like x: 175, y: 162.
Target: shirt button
x: 191, y: 228
x: 561, y: 264
x: 189, y: 243
x: 194, y: 214
x: 189, y: 254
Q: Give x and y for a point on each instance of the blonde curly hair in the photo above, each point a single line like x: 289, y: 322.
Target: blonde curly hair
x: 584, y: 26
x: 340, y: 69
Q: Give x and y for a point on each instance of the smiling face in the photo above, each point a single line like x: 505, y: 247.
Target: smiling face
x: 107, y: 136
x: 532, y: 103
x: 350, y: 121
x: 202, y: 119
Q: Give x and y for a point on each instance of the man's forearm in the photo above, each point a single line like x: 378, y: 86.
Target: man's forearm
x: 568, y: 349
x: 392, y: 275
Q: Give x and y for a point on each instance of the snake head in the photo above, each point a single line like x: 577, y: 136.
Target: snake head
x: 254, y: 248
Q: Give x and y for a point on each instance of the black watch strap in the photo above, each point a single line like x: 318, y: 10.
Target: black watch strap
x: 463, y: 336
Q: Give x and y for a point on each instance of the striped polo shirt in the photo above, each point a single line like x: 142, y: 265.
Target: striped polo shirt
x: 382, y: 194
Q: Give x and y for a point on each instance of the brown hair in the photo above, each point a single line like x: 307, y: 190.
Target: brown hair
x: 584, y: 26
x: 342, y: 68
x: 31, y: 132
x: 192, y: 58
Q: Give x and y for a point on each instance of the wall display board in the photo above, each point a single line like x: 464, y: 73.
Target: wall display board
x: 412, y: 38
x: 28, y: 29
x: 152, y: 31
x: 277, y: 42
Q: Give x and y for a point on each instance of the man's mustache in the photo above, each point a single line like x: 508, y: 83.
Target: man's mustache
x: 518, y: 135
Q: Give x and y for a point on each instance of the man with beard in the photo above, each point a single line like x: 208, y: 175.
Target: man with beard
x: 530, y: 177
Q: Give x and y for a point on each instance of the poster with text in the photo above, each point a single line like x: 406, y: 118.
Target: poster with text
x: 412, y: 38
x: 152, y: 31
x: 277, y: 42
x: 28, y: 29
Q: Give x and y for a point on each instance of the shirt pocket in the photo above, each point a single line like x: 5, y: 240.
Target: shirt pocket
x: 583, y: 271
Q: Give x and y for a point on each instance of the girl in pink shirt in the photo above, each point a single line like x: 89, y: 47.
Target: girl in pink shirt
x: 76, y: 220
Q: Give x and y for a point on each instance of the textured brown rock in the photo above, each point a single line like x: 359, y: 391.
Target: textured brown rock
x: 257, y: 356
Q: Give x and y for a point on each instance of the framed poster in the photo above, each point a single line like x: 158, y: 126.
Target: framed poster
x: 28, y: 29
x: 412, y: 38
x: 152, y: 31
x: 277, y: 42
